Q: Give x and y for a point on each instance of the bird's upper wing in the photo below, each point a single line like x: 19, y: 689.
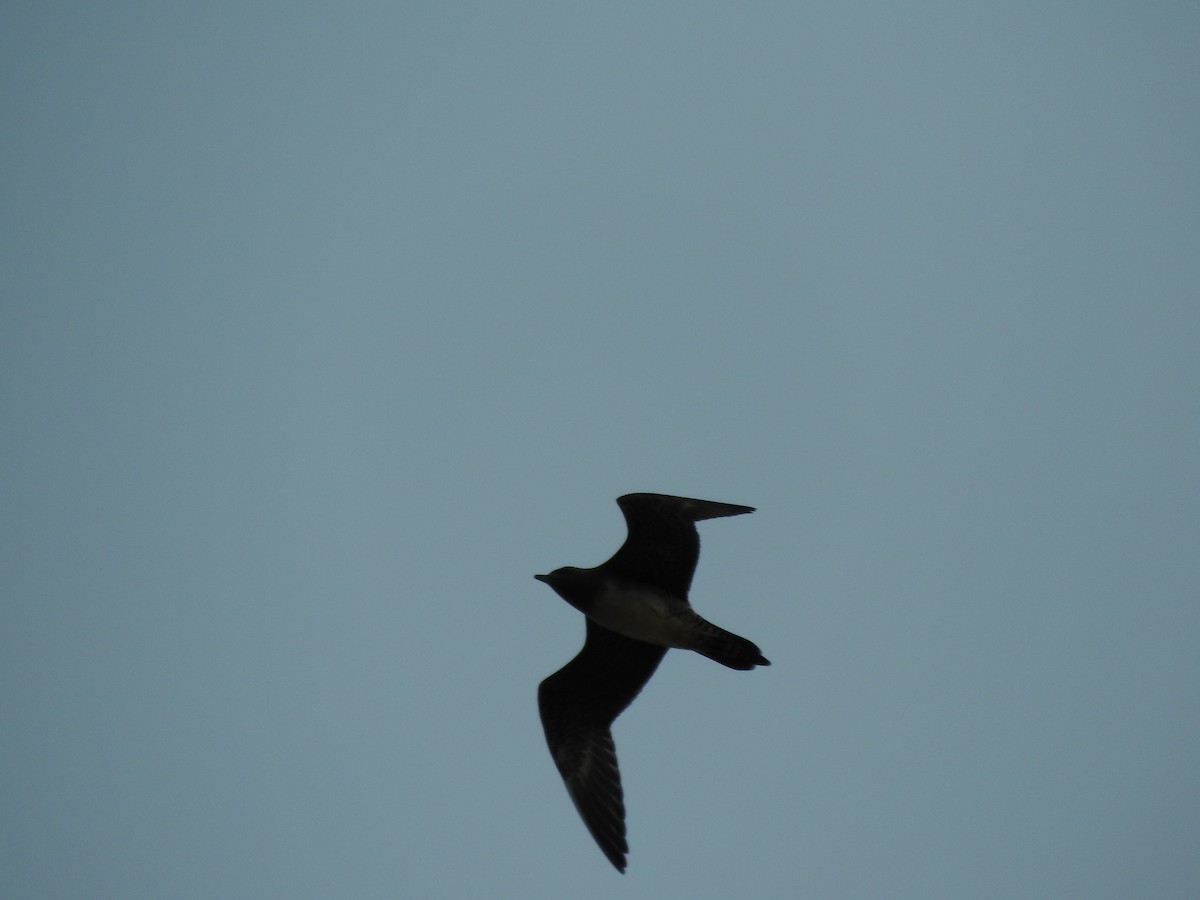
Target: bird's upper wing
x: 663, y: 545
x: 578, y: 704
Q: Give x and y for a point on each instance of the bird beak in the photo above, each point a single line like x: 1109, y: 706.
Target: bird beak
x: 544, y: 579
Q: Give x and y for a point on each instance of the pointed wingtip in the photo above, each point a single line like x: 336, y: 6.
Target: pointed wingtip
x: 692, y: 508
x: 616, y: 857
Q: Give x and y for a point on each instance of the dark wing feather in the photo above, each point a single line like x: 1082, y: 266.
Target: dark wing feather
x: 663, y: 545
x: 578, y: 704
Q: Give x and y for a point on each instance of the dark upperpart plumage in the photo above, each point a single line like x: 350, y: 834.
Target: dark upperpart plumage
x: 641, y: 590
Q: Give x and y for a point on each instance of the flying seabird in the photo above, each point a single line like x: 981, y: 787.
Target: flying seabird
x: 637, y: 607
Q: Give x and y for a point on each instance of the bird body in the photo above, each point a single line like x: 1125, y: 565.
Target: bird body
x: 646, y: 613
x: 641, y: 612
x: 637, y: 607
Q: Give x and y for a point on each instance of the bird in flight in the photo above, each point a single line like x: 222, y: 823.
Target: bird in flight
x: 637, y: 607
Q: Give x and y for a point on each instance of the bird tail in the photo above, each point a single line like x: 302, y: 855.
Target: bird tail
x: 729, y: 650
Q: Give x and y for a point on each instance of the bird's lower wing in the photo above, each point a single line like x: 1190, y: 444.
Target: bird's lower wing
x: 578, y: 704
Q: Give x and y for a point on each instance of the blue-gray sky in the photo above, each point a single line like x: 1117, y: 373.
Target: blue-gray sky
x: 325, y: 326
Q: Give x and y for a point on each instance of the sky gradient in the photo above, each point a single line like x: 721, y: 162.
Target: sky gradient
x: 325, y: 327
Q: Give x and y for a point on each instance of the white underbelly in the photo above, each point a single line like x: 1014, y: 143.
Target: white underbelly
x: 644, y: 615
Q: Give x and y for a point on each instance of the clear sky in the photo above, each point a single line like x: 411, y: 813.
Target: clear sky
x: 325, y: 326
